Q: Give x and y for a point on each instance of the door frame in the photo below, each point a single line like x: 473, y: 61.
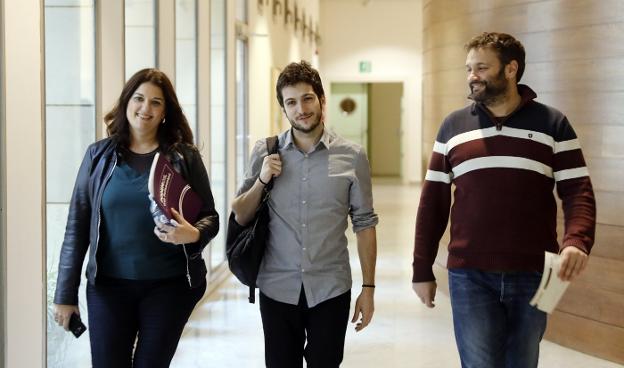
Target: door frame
x: 399, y: 79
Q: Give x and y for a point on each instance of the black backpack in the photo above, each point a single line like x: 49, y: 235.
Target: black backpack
x: 245, y: 244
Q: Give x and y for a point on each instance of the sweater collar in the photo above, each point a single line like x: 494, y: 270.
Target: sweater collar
x: 526, y: 95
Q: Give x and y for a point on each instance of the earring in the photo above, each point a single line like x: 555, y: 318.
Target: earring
x: 163, y: 121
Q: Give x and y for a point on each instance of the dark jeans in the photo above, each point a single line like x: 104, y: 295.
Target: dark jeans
x: 495, y: 327
x: 286, y: 328
x: 151, y: 313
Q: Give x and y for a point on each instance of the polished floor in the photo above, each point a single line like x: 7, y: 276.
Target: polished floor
x: 225, y: 330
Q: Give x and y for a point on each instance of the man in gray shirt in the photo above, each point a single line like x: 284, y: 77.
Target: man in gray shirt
x: 320, y: 179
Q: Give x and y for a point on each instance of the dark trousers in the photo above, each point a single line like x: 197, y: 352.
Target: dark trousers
x: 151, y: 313
x: 287, y: 327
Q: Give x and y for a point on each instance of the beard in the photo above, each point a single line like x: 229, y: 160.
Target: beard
x: 303, y: 128
x: 491, y: 90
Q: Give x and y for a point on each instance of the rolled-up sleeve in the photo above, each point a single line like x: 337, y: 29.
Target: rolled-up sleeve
x: 361, y: 209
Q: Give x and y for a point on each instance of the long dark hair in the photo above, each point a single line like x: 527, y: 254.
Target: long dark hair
x: 174, y: 131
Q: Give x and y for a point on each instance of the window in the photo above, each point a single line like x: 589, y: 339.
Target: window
x: 218, y: 122
x: 241, y: 10
x: 69, y: 129
x: 2, y: 183
x: 140, y: 35
x: 242, y: 129
x: 242, y: 140
x: 186, y: 59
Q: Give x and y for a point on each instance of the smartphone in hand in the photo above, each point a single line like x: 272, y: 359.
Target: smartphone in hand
x: 76, y: 326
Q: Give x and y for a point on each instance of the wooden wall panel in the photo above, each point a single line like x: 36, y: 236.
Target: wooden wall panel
x: 588, y: 107
x: 572, y: 75
x: 575, y: 63
x: 585, y: 335
x: 610, y: 210
x: 604, y: 274
x: 601, y: 140
x: 584, y: 299
x: 606, y: 173
x: 607, y: 234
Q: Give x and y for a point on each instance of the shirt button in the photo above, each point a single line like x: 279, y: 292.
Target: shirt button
x: 304, y: 248
x: 304, y: 178
x: 303, y: 225
x: 304, y: 202
x: 306, y: 155
x: 302, y: 270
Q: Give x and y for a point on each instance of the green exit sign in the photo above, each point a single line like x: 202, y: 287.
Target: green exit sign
x: 365, y: 67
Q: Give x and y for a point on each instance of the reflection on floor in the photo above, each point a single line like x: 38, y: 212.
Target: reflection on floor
x: 225, y: 331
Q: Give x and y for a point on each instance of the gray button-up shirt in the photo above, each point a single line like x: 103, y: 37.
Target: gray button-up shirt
x: 308, y: 207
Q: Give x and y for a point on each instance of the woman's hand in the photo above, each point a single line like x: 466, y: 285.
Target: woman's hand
x: 63, y: 312
x: 179, y: 232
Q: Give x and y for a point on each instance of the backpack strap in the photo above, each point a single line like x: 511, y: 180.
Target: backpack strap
x: 272, y: 147
x: 252, y: 294
x: 271, y: 144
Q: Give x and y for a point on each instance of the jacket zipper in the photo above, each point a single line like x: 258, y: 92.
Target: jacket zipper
x: 188, y: 272
x: 179, y: 158
x: 99, y: 209
x: 186, y: 256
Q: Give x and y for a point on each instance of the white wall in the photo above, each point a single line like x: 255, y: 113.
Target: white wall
x: 388, y: 33
x: 2, y: 194
x: 25, y: 313
x: 273, y: 45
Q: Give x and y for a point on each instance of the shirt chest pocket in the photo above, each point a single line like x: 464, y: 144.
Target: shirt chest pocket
x: 333, y: 193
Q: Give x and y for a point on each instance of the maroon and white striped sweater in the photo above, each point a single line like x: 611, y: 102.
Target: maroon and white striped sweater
x: 503, y: 215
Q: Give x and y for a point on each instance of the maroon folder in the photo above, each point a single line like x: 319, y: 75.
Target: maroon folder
x: 170, y: 190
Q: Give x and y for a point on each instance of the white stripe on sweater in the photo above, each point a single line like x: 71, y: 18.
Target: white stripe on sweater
x: 509, y: 162
x: 472, y: 135
x: 570, y: 145
x: 578, y: 172
x: 438, y: 176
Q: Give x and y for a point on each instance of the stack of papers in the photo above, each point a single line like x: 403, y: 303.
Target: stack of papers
x: 551, y: 287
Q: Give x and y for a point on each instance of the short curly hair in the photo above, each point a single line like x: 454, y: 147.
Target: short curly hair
x: 506, y: 47
x: 295, y: 73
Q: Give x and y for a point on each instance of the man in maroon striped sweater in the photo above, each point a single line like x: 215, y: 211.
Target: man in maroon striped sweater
x: 504, y: 153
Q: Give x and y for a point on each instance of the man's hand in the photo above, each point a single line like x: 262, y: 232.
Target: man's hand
x: 271, y: 167
x: 426, y: 291
x: 364, y: 306
x: 573, y: 262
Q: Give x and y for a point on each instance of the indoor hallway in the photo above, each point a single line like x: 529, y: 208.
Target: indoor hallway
x: 226, y: 331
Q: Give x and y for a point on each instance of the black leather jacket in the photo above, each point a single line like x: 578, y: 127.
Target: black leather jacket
x: 83, y: 221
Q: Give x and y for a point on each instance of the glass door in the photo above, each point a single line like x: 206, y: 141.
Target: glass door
x: 69, y: 128
x: 242, y: 121
x: 218, y: 124
x: 140, y: 35
x: 242, y: 106
x: 186, y: 59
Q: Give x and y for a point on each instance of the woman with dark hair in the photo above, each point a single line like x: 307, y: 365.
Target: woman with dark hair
x: 143, y: 281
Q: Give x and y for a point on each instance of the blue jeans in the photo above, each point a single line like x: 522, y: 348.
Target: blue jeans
x: 495, y: 326
x: 138, y: 323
